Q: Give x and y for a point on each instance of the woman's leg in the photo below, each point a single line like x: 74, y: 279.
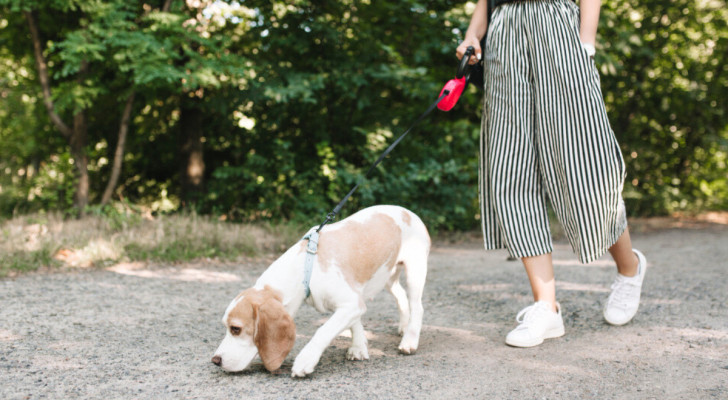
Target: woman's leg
x: 540, y: 270
x: 623, y: 255
x: 541, y: 320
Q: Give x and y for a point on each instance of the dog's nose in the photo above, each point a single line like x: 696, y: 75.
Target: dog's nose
x: 217, y: 360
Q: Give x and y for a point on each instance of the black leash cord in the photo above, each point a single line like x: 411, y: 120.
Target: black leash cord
x: 389, y: 149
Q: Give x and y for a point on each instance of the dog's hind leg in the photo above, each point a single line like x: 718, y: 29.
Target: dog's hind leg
x: 358, y: 349
x: 400, y: 296
x: 415, y: 264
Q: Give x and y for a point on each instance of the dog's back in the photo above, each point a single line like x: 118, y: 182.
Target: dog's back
x: 369, y: 245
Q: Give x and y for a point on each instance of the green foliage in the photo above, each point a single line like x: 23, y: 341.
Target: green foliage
x: 665, y: 80
x: 334, y: 101
x: 298, y: 98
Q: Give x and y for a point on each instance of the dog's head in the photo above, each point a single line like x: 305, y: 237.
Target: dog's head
x: 256, y: 324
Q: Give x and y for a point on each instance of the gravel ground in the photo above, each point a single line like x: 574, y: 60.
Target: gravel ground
x: 136, y: 332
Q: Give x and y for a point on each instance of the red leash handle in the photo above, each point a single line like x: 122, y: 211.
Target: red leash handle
x: 455, y: 87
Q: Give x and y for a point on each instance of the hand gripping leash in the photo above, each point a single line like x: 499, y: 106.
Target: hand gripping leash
x: 456, y: 86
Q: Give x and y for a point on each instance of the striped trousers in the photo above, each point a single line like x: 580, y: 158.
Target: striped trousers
x: 545, y: 136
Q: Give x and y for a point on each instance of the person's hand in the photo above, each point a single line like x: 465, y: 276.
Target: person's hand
x: 590, y: 49
x: 469, y: 41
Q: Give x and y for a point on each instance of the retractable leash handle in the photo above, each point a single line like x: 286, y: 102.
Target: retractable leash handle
x: 455, y: 87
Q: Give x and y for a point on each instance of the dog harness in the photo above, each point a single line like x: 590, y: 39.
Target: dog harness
x: 311, y: 249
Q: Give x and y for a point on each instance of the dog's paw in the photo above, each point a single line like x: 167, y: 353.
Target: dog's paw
x: 357, y: 353
x: 304, y: 365
x: 301, y: 369
x: 408, y: 344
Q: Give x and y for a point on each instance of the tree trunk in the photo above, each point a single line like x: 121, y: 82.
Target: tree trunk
x: 76, y: 137
x: 45, y: 84
x: 80, y: 160
x: 119, y: 153
x: 78, y: 151
x: 121, y: 139
x: 192, y: 163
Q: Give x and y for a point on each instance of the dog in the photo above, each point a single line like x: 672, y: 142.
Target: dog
x: 356, y: 258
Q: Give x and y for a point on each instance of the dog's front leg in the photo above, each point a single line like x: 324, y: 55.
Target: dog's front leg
x: 358, y: 349
x: 307, y: 359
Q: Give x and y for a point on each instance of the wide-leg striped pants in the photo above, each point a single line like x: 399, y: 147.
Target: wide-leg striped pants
x: 545, y: 136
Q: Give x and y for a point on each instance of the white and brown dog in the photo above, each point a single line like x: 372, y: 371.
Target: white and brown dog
x: 356, y: 258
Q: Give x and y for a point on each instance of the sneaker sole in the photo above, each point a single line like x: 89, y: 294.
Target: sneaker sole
x: 618, y: 323
x: 550, y: 334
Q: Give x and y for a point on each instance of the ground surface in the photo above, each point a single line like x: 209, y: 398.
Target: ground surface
x: 149, y: 333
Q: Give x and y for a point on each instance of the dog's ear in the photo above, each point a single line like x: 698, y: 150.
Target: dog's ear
x: 275, y: 333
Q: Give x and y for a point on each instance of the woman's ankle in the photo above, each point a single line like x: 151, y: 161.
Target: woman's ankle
x: 552, y: 302
x: 629, y: 270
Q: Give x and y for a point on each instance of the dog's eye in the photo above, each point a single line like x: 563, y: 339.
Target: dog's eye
x: 235, y: 330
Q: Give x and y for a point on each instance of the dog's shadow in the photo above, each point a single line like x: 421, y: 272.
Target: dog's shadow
x: 256, y: 368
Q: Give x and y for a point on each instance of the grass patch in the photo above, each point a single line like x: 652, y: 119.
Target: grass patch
x: 26, y: 261
x: 106, y: 237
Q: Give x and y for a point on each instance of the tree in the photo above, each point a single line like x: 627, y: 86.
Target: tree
x: 273, y: 109
x: 147, y: 51
x: 75, y: 136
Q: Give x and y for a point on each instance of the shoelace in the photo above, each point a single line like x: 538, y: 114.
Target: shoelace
x: 529, y: 314
x: 624, y: 290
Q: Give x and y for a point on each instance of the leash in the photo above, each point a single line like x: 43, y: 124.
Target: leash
x: 330, y: 217
x: 447, y: 100
x: 313, y: 237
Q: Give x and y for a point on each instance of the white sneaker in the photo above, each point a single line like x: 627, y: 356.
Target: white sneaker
x: 537, y: 322
x: 622, y: 304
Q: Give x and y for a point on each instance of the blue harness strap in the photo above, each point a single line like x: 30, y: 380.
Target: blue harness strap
x: 311, y: 250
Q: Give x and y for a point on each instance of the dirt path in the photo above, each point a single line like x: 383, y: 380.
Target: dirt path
x: 149, y: 333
